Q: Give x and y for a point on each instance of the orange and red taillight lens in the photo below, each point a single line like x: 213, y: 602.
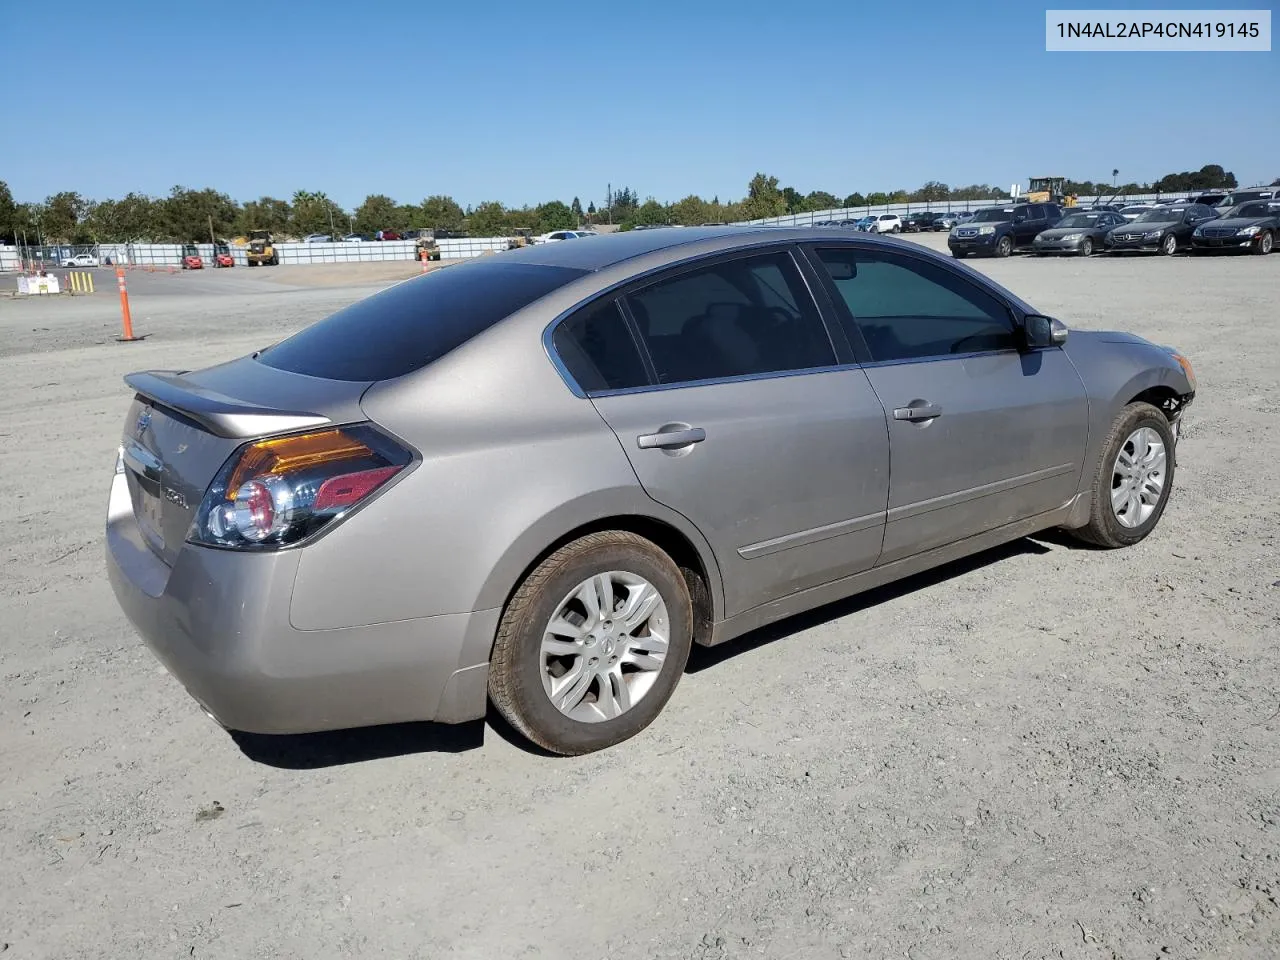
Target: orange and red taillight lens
x: 279, y: 490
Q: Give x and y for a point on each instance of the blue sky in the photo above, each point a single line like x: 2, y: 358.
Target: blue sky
x: 536, y: 100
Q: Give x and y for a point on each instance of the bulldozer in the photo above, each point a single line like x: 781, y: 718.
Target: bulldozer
x: 1049, y: 190
x: 262, y: 249
x: 521, y: 237
x: 425, y: 245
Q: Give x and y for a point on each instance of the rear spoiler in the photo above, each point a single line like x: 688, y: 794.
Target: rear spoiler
x: 216, y: 412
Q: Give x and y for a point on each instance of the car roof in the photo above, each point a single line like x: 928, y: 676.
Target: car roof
x: 607, y: 249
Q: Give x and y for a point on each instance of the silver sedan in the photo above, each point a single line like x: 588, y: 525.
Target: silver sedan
x: 535, y: 480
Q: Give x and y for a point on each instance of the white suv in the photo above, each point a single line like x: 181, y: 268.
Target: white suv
x: 886, y: 223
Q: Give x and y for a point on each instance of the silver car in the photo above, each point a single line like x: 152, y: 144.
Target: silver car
x: 537, y: 478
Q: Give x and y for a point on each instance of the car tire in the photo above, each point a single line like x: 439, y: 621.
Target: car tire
x: 522, y: 673
x: 896, y: 229
x: 1086, y: 247
x: 1168, y: 245
x: 1265, y: 243
x: 1004, y: 247
x: 1116, y: 520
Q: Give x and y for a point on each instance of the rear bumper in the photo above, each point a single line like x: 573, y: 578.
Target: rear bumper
x: 219, y: 622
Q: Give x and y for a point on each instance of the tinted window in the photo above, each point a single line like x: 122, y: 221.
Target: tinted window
x: 907, y: 308
x: 407, y: 326
x: 751, y: 315
x: 599, y: 351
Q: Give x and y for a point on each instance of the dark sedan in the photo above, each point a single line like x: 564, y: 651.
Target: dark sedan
x: 1163, y: 230
x: 918, y: 222
x: 1078, y: 233
x: 1250, y: 226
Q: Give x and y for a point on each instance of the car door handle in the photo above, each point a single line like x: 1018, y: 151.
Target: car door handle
x: 918, y: 411
x: 665, y: 439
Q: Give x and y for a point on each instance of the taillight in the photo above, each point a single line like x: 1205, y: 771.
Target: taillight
x: 277, y: 491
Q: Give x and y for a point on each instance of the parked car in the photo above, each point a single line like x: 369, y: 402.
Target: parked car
x: 538, y: 476
x: 1210, y: 199
x: 354, y: 238
x: 1080, y: 232
x: 1237, y: 197
x: 965, y: 216
x: 317, y: 238
x: 1252, y: 226
x: 918, y: 222
x: 865, y: 223
x: 1134, y: 211
x: 387, y: 235
x: 81, y: 260
x: 556, y: 236
x: 886, y: 223
x: 998, y: 231
x: 943, y: 221
x: 1163, y: 230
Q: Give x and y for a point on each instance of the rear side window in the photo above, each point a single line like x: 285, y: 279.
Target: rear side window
x: 751, y: 315
x: 407, y: 326
x: 598, y: 350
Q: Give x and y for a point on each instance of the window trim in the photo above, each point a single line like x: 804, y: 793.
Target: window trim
x: 854, y: 331
x: 623, y: 288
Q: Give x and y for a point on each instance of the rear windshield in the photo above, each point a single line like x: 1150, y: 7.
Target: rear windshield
x: 407, y: 326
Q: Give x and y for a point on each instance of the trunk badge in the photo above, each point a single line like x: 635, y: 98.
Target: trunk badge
x: 144, y: 421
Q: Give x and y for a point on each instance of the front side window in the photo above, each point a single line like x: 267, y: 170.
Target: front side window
x: 909, y: 309
x: 751, y: 315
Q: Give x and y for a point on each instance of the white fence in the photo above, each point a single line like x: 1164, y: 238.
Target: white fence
x: 9, y: 259
x: 941, y: 206
x: 170, y: 254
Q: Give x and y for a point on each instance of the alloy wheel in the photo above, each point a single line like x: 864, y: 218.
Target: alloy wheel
x: 1138, y: 477
x: 604, y: 646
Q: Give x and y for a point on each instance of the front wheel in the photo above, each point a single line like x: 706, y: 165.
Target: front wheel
x: 1169, y: 245
x: 1086, y: 247
x: 1133, y: 479
x: 896, y: 229
x: 1004, y: 246
x: 592, y: 644
x: 1265, y: 243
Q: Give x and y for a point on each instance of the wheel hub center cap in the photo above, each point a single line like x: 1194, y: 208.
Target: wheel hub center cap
x: 607, y: 646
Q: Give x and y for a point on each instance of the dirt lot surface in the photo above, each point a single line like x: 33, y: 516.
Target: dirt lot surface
x: 1042, y: 752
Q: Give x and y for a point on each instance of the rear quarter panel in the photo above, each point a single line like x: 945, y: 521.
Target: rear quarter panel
x: 511, y: 462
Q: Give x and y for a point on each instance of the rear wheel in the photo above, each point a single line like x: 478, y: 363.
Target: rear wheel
x: 1004, y: 246
x: 1132, y: 480
x: 1265, y: 243
x: 1169, y: 245
x: 1086, y: 247
x: 592, y: 643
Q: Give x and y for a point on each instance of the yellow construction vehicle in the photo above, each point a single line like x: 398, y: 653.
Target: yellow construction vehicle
x: 1049, y: 190
x: 522, y: 237
x: 262, y: 249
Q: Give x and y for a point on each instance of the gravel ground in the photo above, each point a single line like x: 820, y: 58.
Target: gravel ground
x: 1043, y: 751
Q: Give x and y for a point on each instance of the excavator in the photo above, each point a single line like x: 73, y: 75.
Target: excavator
x: 1048, y: 190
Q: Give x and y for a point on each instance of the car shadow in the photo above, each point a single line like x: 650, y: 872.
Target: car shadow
x: 337, y: 748
x: 703, y: 658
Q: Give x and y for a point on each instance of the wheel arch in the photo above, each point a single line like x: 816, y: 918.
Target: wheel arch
x: 672, y: 532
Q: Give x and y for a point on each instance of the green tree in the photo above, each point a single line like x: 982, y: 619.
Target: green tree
x: 61, y: 216
x: 821, y: 200
x: 764, y: 199
x: 265, y: 213
x: 877, y: 199
x: 576, y: 207
x: 591, y: 208
x: 932, y: 191
x: 855, y: 200
x: 136, y: 218
x: 651, y: 211
x: 793, y: 199
x: 315, y: 213
x: 378, y: 212
x: 489, y: 219
x: 186, y: 214
x: 8, y: 215
x: 554, y: 215
x: 441, y: 213
x: 691, y: 211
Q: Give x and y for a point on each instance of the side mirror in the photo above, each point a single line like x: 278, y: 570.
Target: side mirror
x: 1042, y: 331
